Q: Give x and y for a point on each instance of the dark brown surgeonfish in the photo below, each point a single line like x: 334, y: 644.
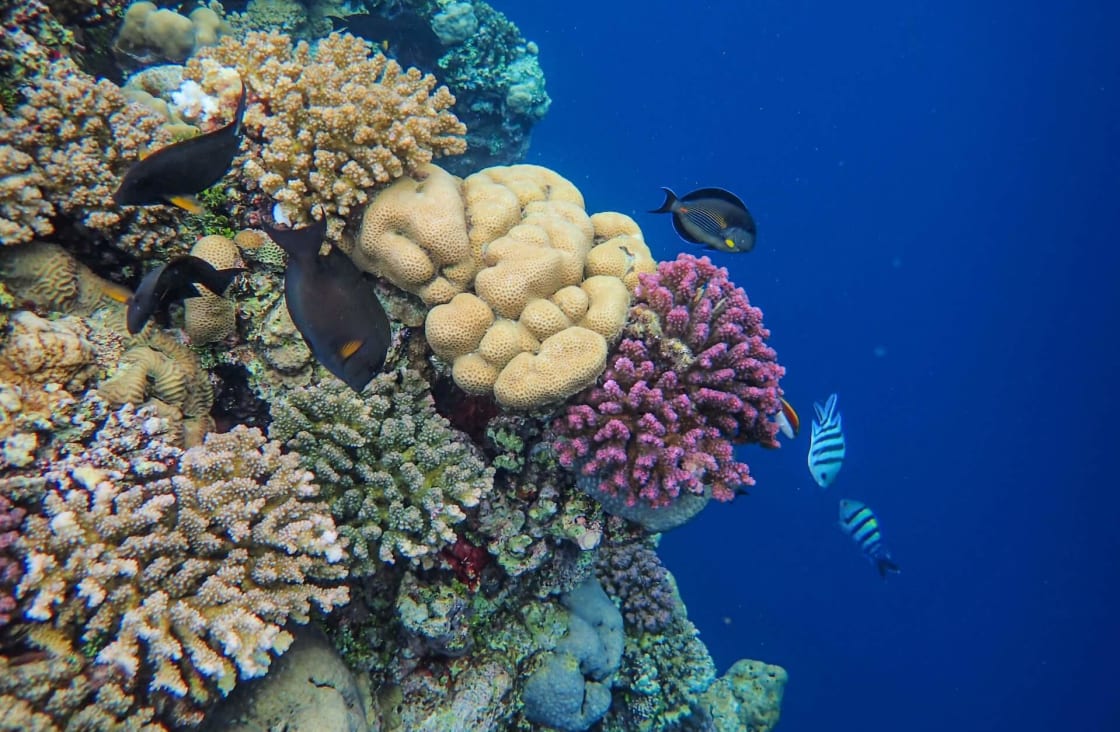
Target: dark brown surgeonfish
x: 172, y: 282
x: 333, y: 307
x: 713, y: 217
x: 176, y: 173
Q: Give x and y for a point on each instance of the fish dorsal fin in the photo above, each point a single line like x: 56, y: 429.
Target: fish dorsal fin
x: 717, y: 193
x: 349, y: 348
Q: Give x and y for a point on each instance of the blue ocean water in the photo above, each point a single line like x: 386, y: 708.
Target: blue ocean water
x: 935, y: 186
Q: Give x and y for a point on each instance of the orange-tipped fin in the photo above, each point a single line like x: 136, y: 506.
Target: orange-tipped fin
x: 115, y: 292
x: 791, y: 416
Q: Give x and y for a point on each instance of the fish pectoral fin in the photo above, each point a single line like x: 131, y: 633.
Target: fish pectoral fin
x: 190, y: 204
x: 729, y: 243
x: 349, y: 348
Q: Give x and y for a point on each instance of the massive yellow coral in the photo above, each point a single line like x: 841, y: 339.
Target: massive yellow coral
x: 334, y: 122
x: 528, y: 290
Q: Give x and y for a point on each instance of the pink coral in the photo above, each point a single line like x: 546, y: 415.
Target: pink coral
x: 691, y: 377
x: 10, y: 571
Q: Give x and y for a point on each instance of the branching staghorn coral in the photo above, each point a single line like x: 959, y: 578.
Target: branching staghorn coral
x: 333, y: 122
x: 397, y: 476
x: 178, y: 569
x: 82, y: 135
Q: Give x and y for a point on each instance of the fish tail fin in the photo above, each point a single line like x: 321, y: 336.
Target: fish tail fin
x: 670, y: 199
x: 218, y: 280
x: 300, y: 244
x: 886, y: 565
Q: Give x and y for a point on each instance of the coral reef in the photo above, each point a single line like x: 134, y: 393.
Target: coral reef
x: 398, y: 477
x: 333, y: 122
x: 692, y: 377
x: 630, y: 571
x: 81, y: 136
x: 150, y: 35
x: 211, y: 317
x: 178, y: 570
x: 748, y: 696
x: 11, y: 517
x: 535, y: 329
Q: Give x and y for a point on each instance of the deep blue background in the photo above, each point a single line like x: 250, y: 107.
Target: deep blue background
x: 937, y: 180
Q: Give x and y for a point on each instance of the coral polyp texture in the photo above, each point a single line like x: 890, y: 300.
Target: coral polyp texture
x: 177, y: 571
x: 332, y: 122
x: 63, y: 153
x: 505, y: 257
x: 398, y: 477
x: 691, y: 378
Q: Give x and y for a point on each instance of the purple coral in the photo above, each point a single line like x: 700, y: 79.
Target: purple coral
x: 632, y: 572
x: 10, y: 570
x: 691, y: 377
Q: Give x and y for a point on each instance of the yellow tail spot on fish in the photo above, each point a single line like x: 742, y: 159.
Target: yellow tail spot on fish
x: 189, y: 204
x: 730, y: 243
x: 115, y: 292
x: 349, y: 348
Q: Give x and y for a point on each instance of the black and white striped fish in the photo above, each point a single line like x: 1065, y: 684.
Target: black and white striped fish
x: 826, y: 446
x: 859, y: 522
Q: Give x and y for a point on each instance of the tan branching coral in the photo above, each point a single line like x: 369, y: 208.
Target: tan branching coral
x: 180, y: 569
x: 333, y: 122
x: 82, y: 136
x: 550, y: 284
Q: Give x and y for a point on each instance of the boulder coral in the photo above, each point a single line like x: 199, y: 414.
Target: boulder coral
x: 212, y: 317
x: 503, y: 257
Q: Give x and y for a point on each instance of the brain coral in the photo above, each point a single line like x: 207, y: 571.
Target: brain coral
x: 180, y: 569
x: 536, y: 327
x: 398, y: 477
x: 333, y: 121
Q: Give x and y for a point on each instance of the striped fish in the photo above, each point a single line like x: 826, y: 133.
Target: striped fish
x: 859, y: 522
x: 826, y: 446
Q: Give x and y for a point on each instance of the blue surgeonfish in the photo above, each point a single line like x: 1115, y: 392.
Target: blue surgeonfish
x: 859, y: 522
x: 713, y: 217
x: 175, y: 173
x: 334, y: 308
x: 172, y: 282
x: 826, y: 445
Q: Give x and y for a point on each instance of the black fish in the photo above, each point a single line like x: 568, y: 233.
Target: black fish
x: 333, y: 306
x: 172, y: 282
x: 406, y: 36
x: 713, y: 217
x: 175, y: 173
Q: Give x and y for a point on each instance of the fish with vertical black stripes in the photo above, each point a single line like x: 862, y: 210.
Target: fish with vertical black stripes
x: 859, y: 522
x: 826, y: 444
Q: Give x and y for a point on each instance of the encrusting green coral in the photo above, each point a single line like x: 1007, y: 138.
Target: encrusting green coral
x: 177, y: 570
x: 398, y: 477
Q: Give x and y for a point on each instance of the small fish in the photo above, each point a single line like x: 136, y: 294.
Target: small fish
x: 172, y: 282
x: 826, y: 445
x: 333, y: 306
x: 713, y: 217
x: 175, y: 173
x: 788, y: 421
x: 859, y: 522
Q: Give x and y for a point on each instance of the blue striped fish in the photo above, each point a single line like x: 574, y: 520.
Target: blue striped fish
x: 859, y: 522
x: 826, y: 446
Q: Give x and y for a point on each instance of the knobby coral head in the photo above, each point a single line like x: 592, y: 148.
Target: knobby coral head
x: 691, y: 378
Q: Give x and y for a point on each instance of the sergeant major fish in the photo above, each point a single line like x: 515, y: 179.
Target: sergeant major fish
x: 859, y: 522
x: 175, y: 173
x: 173, y: 281
x: 713, y: 217
x: 826, y: 445
x: 333, y: 307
